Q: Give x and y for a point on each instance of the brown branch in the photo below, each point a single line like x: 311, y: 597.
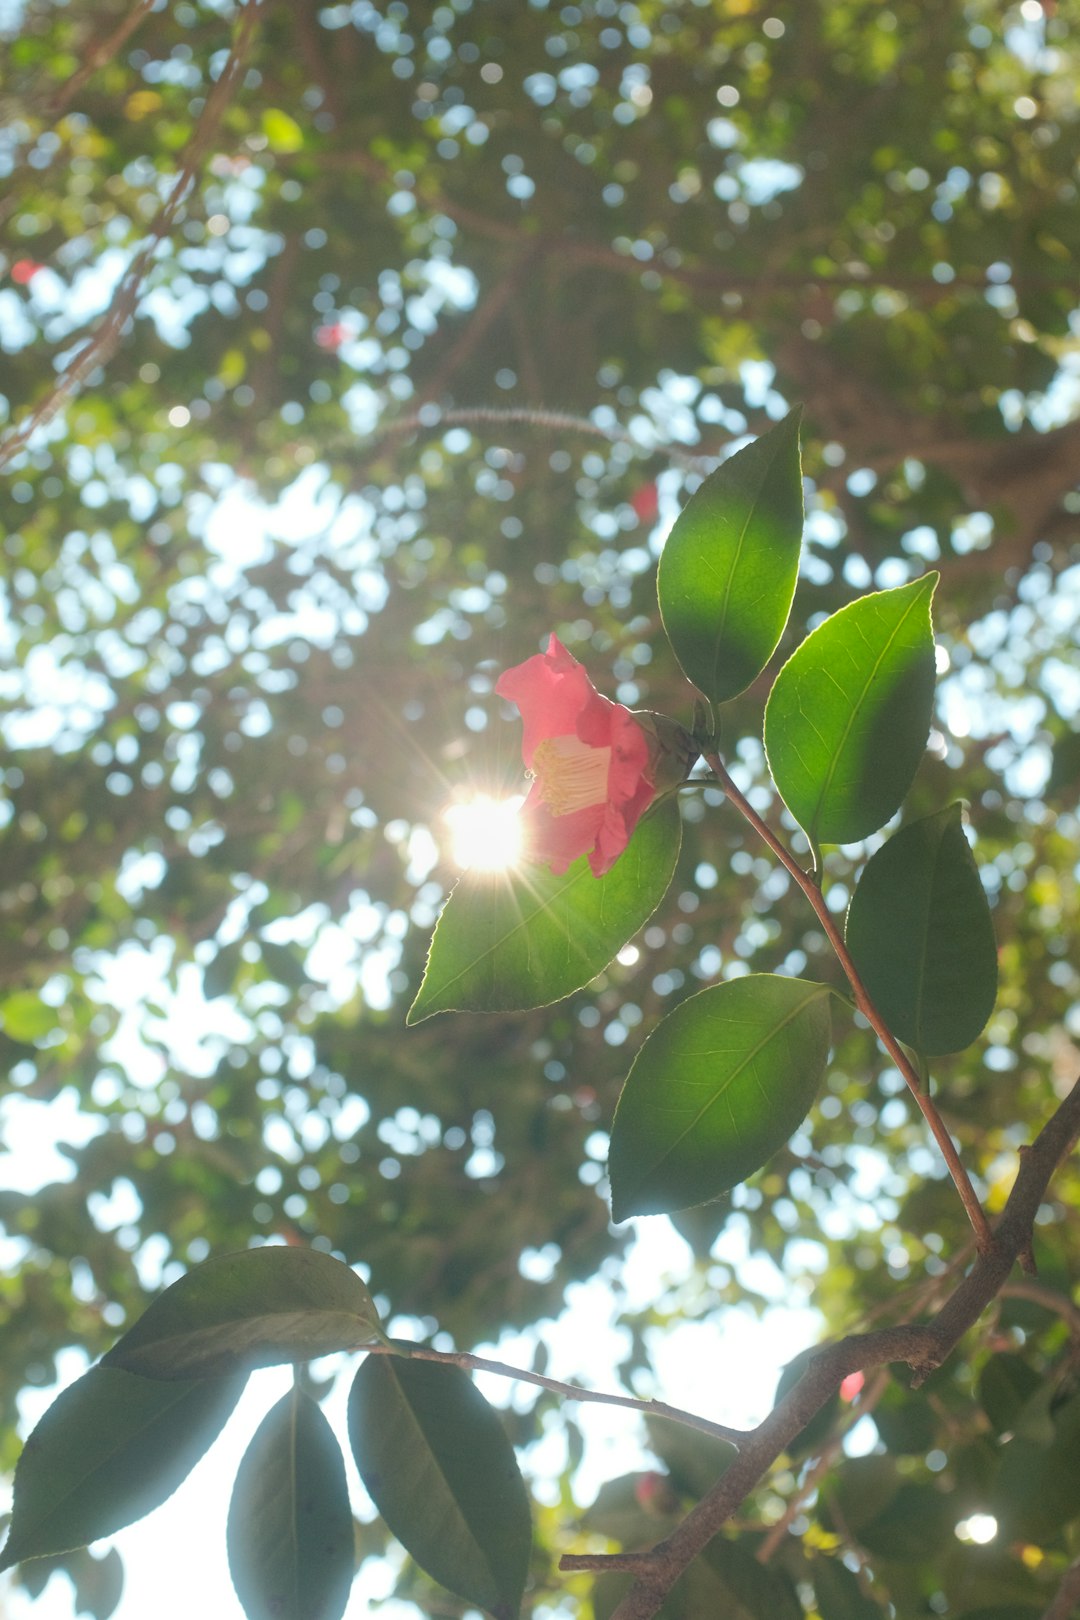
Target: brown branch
x: 922, y: 1346
x: 569, y: 1392
x: 1048, y: 1298
x: 100, y: 347
x: 1066, y: 1600
x: 96, y: 58
x: 483, y: 318
x: 865, y: 1004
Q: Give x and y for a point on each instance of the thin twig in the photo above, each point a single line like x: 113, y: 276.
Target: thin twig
x: 864, y: 1002
x: 859, y: 1409
x: 1048, y: 1298
x: 569, y: 1392
x: 922, y: 1346
x: 100, y: 347
x: 1066, y: 1600
x: 96, y: 58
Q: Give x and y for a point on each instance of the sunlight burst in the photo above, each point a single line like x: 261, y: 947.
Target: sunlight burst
x: 486, y: 833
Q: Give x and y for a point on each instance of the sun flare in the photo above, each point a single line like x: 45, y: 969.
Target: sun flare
x: 485, y: 833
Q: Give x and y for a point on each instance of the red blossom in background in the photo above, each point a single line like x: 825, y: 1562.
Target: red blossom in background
x: 332, y: 337
x: 646, y: 503
x: 23, y: 271
x: 590, y: 760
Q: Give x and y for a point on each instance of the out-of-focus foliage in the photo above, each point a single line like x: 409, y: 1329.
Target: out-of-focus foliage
x: 465, y: 301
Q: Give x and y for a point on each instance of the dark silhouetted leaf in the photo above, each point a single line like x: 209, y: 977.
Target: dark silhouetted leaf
x: 250, y: 1310
x: 290, y: 1530
x: 1037, y: 1491
x: 109, y: 1450
x: 1006, y: 1383
x: 920, y: 933
x: 442, y: 1473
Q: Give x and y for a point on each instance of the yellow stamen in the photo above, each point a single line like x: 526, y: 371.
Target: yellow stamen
x: 572, y: 775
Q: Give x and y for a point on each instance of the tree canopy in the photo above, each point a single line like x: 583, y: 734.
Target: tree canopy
x: 348, y: 353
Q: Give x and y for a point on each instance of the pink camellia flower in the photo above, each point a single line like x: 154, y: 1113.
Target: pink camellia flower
x: 593, y: 763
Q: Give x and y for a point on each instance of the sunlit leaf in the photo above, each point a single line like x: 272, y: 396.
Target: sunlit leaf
x: 717, y: 1088
x: 729, y: 566
x: 848, y: 716
x: 511, y: 940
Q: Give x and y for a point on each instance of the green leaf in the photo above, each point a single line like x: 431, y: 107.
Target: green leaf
x: 441, y: 1471
x: 110, y: 1449
x: 1038, y: 1488
x: 848, y: 716
x: 283, y: 133
x: 764, y: 1592
x: 920, y: 933
x: 728, y: 569
x: 716, y: 1089
x: 250, y: 1309
x: 25, y: 1017
x: 290, y: 1529
x: 508, y: 941
x: 912, y: 1529
x: 906, y: 1422
x: 1006, y: 1383
x: 839, y: 1595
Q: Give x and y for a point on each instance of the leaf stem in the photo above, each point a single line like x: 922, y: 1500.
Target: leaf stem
x: 569, y: 1392
x: 863, y: 1000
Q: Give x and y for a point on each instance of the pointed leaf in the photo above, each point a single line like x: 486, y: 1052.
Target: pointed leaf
x: 728, y: 569
x: 508, y: 941
x: 290, y: 1530
x: 716, y: 1089
x: 442, y: 1473
x: 920, y: 933
x: 250, y: 1309
x: 110, y: 1449
x: 848, y: 717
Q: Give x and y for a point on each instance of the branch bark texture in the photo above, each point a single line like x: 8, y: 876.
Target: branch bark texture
x: 923, y: 1346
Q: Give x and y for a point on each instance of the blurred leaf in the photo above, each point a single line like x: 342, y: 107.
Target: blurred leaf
x: 246, y: 1310
x: 762, y: 1590
x: 905, y: 1421
x: 912, y: 1528
x: 283, y: 133
x: 1005, y: 1384
x: 728, y: 568
x: 290, y: 1529
x: 439, y: 1468
x: 1038, y: 1486
x: 717, y: 1088
x: 848, y: 716
x: 839, y: 1595
x: 508, y: 941
x: 25, y: 1017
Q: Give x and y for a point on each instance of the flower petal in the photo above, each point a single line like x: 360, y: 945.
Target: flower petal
x: 554, y: 695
